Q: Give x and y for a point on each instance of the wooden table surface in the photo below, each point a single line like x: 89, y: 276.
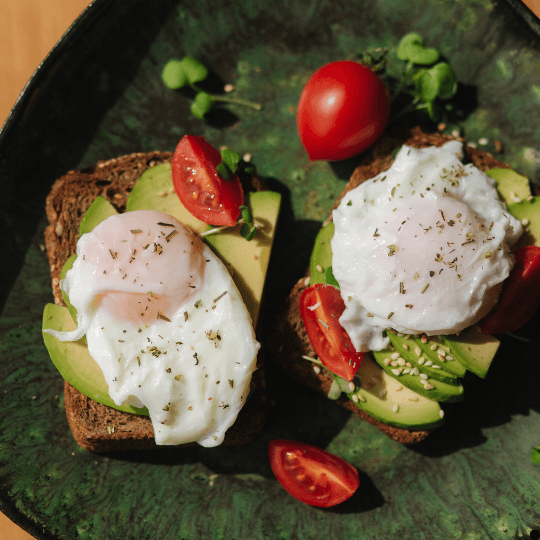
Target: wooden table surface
x: 29, y: 30
x: 533, y: 5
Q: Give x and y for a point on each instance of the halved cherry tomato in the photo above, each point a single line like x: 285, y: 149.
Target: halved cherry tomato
x: 312, y: 475
x: 343, y: 109
x: 205, y: 194
x: 520, y: 295
x: 321, y: 307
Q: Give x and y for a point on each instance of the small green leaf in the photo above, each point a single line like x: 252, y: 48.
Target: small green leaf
x: 201, y: 105
x: 247, y: 231
x: 535, y: 455
x: 432, y: 110
x: 329, y: 278
x: 173, y: 75
x: 427, y: 87
x: 246, y: 214
x: 436, y: 82
x: 411, y: 49
x: 249, y: 169
x: 194, y: 71
x: 406, y: 42
x: 446, y: 79
x: 231, y: 159
x: 224, y: 171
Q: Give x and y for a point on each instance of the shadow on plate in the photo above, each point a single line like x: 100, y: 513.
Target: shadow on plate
x: 509, y: 390
x: 295, y: 413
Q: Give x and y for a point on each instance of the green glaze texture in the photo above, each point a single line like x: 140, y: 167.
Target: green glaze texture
x: 99, y: 95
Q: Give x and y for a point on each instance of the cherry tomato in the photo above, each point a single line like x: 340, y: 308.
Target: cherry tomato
x: 343, y: 109
x: 312, y: 475
x: 321, y: 307
x: 520, y: 295
x: 205, y: 194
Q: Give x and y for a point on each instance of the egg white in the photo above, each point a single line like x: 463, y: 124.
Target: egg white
x: 421, y: 248
x: 165, y: 323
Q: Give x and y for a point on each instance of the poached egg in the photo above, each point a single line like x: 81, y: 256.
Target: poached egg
x: 421, y: 248
x: 165, y: 323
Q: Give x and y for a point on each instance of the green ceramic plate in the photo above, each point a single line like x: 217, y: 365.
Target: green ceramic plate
x: 99, y: 95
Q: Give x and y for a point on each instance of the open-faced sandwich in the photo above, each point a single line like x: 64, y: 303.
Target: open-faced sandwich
x: 423, y: 257
x: 158, y: 263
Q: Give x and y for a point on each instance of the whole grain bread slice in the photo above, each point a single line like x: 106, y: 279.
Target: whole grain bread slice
x: 289, y: 340
x: 96, y: 427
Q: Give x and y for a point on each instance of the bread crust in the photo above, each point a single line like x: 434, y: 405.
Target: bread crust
x: 289, y: 340
x: 96, y: 427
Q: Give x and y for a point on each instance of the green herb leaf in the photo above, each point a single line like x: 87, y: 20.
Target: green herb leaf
x: 436, y: 82
x: 173, y: 75
x: 426, y: 86
x: 535, y: 455
x: 446, y: 79
x: 194, y: 71
x: 246, y: 214
x: 224, y: 171
x: 411, y: 49
x: 432, y: 110
x: 247, y: 231
x: 201, y: 105
x: 231, y: 159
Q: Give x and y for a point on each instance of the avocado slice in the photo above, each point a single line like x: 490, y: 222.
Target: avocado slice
x: 473, y: 349
x: 154, y: 190
x: 431, y: 347
x: 408, y: 351
x: 528, y: 212
x: 431, y: 389
x: 510, y: 184
x: 249, y: 259
x: 74, y: 363
x: 321, y: 256
x: 98, y: 211
x: 386, y: 399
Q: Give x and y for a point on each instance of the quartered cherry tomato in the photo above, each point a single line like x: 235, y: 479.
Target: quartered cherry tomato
x: 343, y: 109
x: 312, y: 475
x: 205, y: 194
x: 321, y: 307
x: 520, y: 295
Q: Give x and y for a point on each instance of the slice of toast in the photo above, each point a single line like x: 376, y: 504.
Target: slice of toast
x: 96, y: 427
x: 289, y: 340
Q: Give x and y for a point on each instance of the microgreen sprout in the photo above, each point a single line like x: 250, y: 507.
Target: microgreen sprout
x: 248, y: 229
x: 188, y: 72
x: 535, y: 455
x: 411, y: 48
x: 230, y: 165
x: 415, y: 72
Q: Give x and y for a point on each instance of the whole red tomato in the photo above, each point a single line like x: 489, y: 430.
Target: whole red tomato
x: 343, y: 109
